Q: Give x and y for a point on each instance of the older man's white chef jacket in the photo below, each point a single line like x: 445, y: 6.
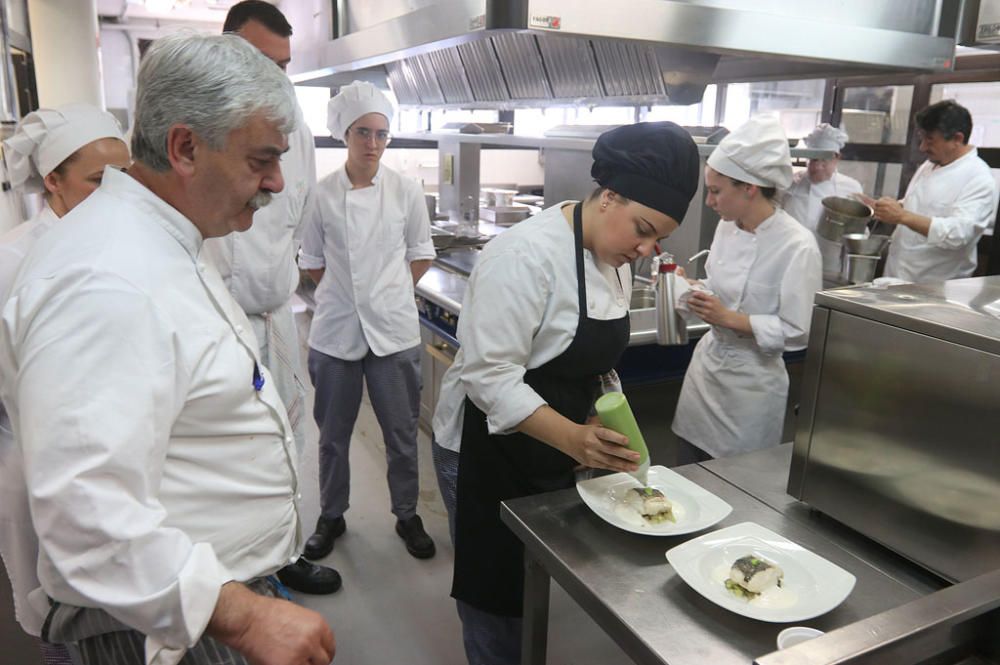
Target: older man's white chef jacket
x: 804, y: 202
x: 961, y: 200
x: 365, y: 239
x: 520, y: 310
x: 735, y: 389
x: 259, y: 268
x: 156, y: 469
x: 18, y: 543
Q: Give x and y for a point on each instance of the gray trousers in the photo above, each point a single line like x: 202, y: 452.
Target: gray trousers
x: 94, y: 637
x: 446, y: 468
x: 394, y: 389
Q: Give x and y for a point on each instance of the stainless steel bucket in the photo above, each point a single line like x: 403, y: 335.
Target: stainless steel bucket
x: 842, y: 216
x: 857, y: 243
x: 859, y: 269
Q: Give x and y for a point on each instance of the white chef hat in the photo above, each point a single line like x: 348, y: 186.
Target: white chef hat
x: 757, y: 153
x: 827, y: 137
x: 46, y: 137
x: 353, y: 101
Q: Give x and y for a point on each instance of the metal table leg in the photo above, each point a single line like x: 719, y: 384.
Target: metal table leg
x: 535, y: 630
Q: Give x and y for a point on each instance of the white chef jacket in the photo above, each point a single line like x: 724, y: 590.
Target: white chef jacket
x: 365, y: 239
x: 156, y: 471
x: 961, y: 200
x: 258, y: 266
x: 520, y: 310
x: 18, y: 543
x: 735, y: 390
x: 804, y: 202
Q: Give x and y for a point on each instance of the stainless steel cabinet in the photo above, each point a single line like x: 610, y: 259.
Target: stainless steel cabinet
x: 900, y: 420
x: 435, y: 358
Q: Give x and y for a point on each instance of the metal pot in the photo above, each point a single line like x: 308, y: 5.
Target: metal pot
x: 842, y: 216
x: 859, y: 269
x: 857, y: 243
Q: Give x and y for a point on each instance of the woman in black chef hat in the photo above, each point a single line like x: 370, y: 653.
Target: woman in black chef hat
x: 545, y: 314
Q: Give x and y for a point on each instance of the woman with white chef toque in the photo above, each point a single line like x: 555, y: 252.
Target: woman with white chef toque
x: 804, y: 199
x: 763, y: 271
x: 61, y: 153
x: 545, y: 314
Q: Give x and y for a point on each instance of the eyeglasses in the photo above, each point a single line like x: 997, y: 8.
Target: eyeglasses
x: 365, y: 134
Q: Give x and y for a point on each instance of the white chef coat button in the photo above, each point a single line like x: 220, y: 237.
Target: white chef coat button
x: 201, y: 267
x: 288, y: 439
x: 239, y: 330
x: 299, y: 496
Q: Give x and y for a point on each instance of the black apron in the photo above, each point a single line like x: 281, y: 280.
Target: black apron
x: 489, y: 559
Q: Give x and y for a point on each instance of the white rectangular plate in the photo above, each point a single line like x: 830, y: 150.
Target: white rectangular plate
x: 694, y: 508
x: 812, y: 585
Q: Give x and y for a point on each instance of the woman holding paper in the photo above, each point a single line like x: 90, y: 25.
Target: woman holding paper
x: 763, y: 271
x: 545, y: 314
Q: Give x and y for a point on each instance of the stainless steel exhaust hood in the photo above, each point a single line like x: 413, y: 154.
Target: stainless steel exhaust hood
x: 493, y: 53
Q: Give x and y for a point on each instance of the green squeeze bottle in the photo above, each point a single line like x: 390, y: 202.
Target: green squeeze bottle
x: 616, y: 414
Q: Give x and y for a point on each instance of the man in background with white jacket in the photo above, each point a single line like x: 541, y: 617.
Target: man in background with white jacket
x: 804, y: 199
x: 259, y: 267
x: 949, y: 203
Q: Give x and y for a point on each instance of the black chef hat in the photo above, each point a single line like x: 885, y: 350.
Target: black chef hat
x: 652, y: 163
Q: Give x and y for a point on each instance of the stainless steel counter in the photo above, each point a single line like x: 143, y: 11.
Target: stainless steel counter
x: 442, y: 287
x: 623, y: 581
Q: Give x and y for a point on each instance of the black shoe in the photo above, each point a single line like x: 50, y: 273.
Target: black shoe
x: 418, y: 543
x: 321, y: 542
x: 309, y: 578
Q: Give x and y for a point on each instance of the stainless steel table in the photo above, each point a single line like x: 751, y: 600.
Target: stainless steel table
x: 624, y: 582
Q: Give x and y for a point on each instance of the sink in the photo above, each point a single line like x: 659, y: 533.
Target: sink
x: 643, y: 297
x: 642, y: 319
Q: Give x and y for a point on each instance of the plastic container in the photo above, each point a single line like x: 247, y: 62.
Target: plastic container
x: 789, y: 637
x: 616, y: 414
x: 468, y: 223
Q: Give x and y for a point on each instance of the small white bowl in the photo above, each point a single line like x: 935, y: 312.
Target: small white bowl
x: 789, y: 637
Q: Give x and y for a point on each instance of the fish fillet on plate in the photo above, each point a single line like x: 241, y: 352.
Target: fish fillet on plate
x: 755, y: 572
x: 668, y: 505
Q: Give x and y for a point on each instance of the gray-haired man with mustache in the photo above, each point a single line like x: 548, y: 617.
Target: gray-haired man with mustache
x: 159, y: 457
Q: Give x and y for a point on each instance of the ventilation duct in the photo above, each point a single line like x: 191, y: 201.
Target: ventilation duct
x: 505, y: 53
x: 538, y: 69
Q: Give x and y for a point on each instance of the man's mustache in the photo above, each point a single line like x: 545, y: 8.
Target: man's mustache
x: 259, y: 200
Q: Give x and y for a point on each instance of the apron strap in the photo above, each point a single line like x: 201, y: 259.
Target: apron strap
x: 581, y: 275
